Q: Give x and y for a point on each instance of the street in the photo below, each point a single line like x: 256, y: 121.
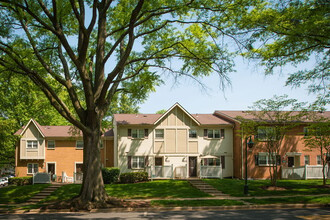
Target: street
x: 278, y: 214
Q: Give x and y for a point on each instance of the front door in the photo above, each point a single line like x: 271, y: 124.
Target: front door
x: 290, y: 161
x: 51, y: 170
x: 192, y: 166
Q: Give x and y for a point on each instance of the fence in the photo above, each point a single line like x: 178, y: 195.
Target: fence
x: 181, y: 172
x: 41, y: 178
x: 304, y: 172
x: 77, y: 177
x: 210, y: 172
x: 160, y: 172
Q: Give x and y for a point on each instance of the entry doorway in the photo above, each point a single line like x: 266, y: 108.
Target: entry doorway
x: 192, y: 166
x: 51, y: 170
x: 290, y: 161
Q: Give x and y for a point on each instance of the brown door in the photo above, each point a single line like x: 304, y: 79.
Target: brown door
x: 192, y: 166
x: 290, y: 161
x: 51, y: 170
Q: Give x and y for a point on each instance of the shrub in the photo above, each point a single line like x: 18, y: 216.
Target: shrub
x: 20, y: 181
x: 110, y: 175
x: 133, y: 177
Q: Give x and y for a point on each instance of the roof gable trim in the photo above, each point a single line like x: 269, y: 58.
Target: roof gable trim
x: 35, y: 124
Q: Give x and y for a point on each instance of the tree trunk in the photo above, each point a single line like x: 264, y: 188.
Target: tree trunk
x: 92, y: 193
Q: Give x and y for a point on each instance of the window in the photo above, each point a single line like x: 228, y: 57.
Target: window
x: 159, y: 134
x: 263, y: 159
x: 214, y: 133
x: 267, y: 134
x: 306, y: 159
x: 137, y: 162
x: 138, y: 133
x: 51, y: 144
x: 192, y: 133
x: 318, y: 160
x: 80, y: 144
x: 305, y: 131
x: 32, y: 144
x: 32, y: 168
x: 158, y: 161
x: 211, y: 162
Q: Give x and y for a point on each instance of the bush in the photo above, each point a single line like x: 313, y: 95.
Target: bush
x: 133, y: 177
x: 20, y: 181
x: 110, y: 175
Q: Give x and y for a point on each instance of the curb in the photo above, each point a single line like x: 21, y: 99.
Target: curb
x: 161, y: 209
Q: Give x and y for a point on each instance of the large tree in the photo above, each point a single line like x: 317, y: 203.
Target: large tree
x: 292, y: 32
x: 97, y: 50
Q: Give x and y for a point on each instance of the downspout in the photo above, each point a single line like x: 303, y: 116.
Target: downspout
x: 242, y: 154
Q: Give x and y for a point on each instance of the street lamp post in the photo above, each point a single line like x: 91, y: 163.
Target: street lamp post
x: 248, y: 145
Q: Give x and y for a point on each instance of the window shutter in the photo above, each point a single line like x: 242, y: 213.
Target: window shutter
x: 223, y: 162
x: 205, y: 132
x: 129, y: 132
x: 256, y: 159
x: 278, y: 159
x: 146, y: 133
x: 129, y: 161
x: 146, y: 160
x: 222, y: 133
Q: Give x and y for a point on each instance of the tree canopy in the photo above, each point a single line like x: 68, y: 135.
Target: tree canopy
x: 282, y: 32
x: 87, y: 55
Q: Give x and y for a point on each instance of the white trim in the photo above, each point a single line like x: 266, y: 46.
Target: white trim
x: 75, y: 165
x: 180, y: 107
x: 47, y: 167
x: 27, y: 125
x: 51, y: 148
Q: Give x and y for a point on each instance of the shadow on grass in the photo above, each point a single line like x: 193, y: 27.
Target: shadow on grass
x: 19, y: 194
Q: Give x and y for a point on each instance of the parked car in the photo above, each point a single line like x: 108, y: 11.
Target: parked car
x: 4, y: 181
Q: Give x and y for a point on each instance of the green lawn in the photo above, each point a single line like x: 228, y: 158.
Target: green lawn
x: 257, y: 187
x: 19, y: 194
x: 181, y: 203
x: 63, y: 193
x: 155, y: 189
x: 292, y: 200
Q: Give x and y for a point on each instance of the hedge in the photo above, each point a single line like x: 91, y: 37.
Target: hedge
x: 110, y: 175
x: 133, y: 177
x: 20, y: 181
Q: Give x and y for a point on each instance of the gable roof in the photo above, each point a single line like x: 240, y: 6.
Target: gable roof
x: 233, y: 115
x: 182, y: 109
x: 57, y: 131
x: 152, y: 119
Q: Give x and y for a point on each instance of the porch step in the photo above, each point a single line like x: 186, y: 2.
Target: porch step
x: 44, y: 193
x: 204, y: 187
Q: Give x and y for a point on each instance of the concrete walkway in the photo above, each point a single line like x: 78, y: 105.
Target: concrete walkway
x: 44, y: 193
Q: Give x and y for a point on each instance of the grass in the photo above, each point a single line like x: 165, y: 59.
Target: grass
x: 19, y: 194
x: 206, y: 202
x: 292, y: 200
x: 155, y: 189
x: 63, y: 193
x: 257, y: 187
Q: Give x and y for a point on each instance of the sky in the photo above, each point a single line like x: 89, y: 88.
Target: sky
x: 248, y: 84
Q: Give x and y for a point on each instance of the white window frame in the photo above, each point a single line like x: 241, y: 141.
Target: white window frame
x: 53, y: 147
x: 138, y: 161
x: 78, y: 146
x: 137, y: 133
x: 33, y: 167
x: 193, y: 133
x: 308, y: 160
x: 266, y: 155
x: 32, y: 144
x: 215, y: 133
x: 159, y: 133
